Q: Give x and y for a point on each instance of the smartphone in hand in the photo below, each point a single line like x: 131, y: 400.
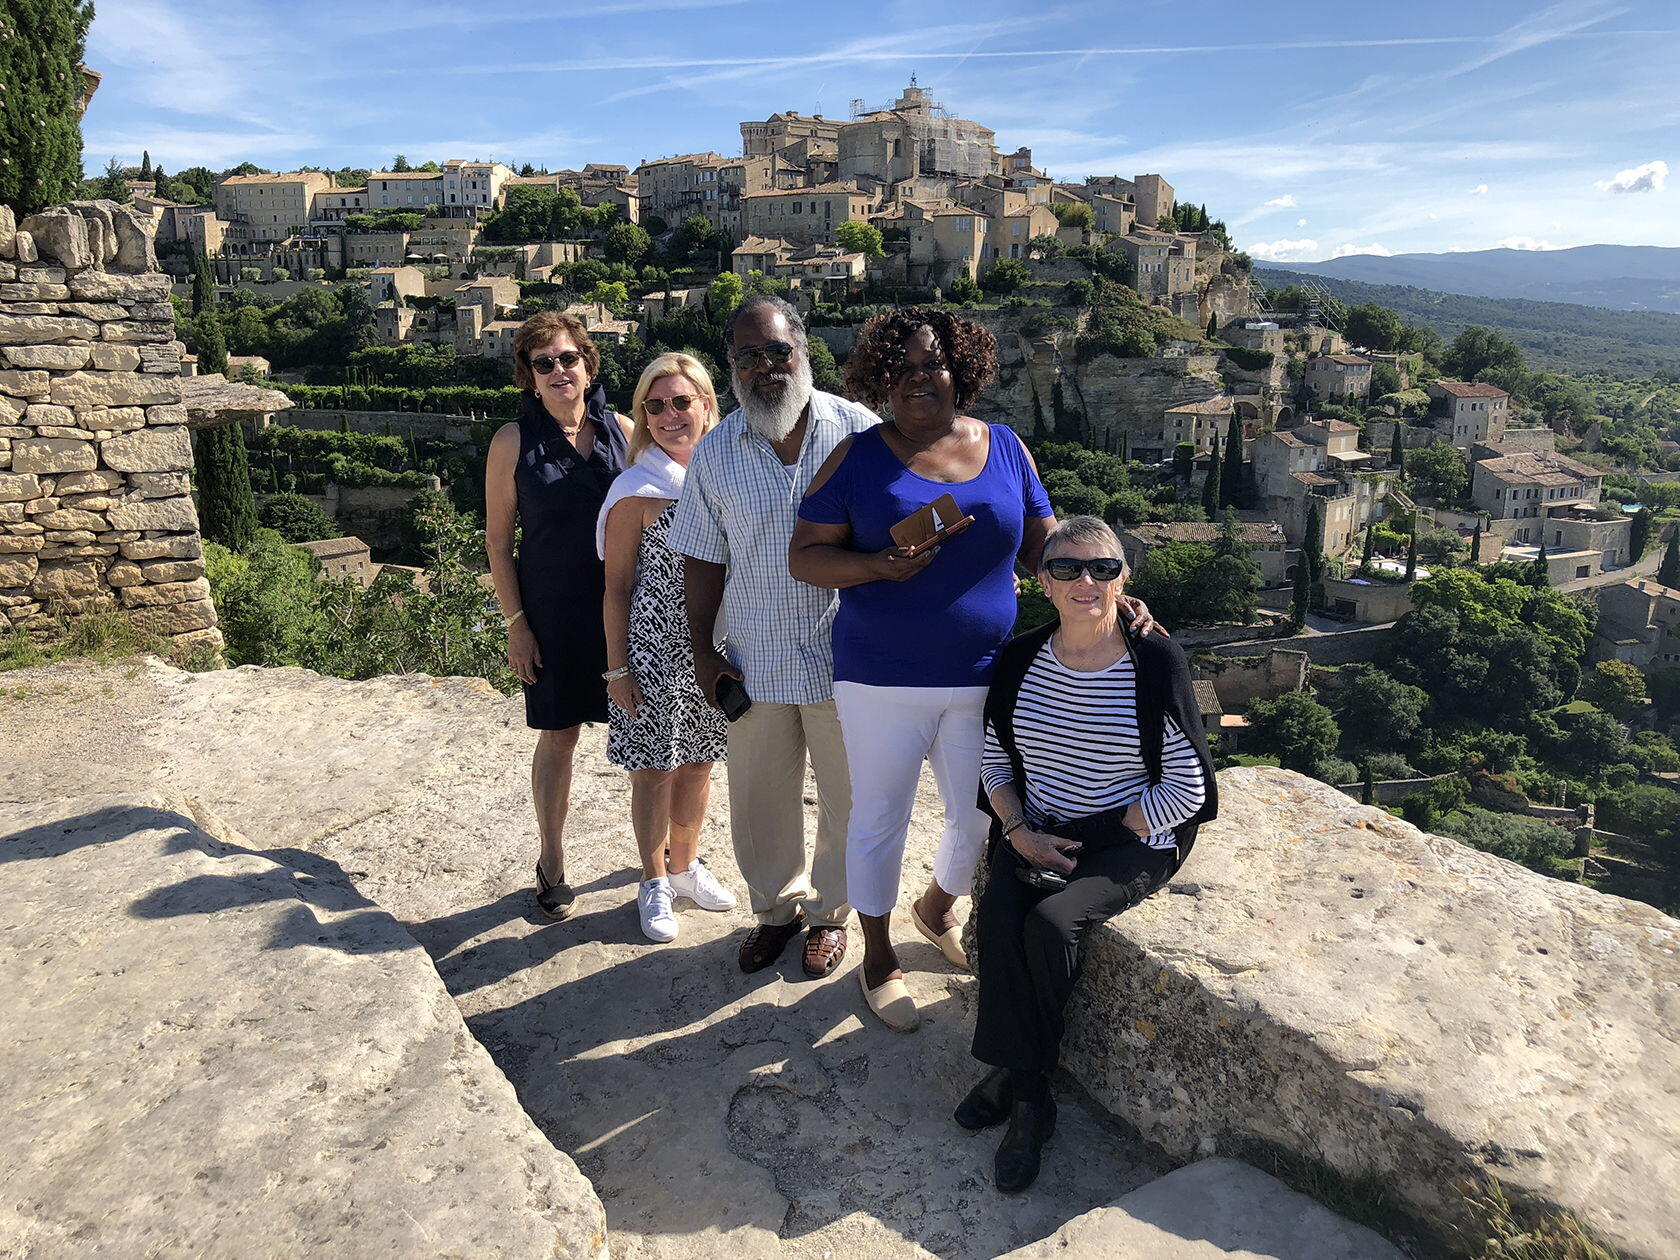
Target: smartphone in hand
x: 732, y: 697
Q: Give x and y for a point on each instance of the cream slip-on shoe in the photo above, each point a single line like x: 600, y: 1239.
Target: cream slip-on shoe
x: 949, y: 941
x: 892, y: 1004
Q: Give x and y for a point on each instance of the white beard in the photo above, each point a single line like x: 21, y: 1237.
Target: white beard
x: 776, y: 420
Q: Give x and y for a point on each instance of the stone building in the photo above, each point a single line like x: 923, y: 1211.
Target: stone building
x: 783, y: 130
x: 1150, y: 194
x: 1468, y: 412
x: 334, y: 205
x: 96, y: 510
x: 262, y: 208
x: 675, y: 188
x: 1197, y: 423
x: 803, y: 216
x: 1265, y: 541
x: 1531, y: 488
x: 915, y: 136
x: 1337, y: 378
x: 472, y: 189
x: 1638, y: 622
x: 394, y: 191
x: 1163, y: 263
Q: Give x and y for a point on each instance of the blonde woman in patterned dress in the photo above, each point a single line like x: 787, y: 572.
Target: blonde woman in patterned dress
x: 661, y: 729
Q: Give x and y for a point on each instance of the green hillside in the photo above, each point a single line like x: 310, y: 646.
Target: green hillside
x: 1556, y: 336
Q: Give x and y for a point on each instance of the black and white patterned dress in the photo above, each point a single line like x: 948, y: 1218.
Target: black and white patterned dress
x: 674, y: 725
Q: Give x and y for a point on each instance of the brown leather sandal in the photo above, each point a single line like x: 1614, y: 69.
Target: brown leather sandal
x: 765, y: 943
x: 825, y: 949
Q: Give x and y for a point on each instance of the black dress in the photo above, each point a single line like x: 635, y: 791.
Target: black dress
x: 561, y: 579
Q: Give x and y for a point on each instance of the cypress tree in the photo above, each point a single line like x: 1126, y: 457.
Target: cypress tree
x: 1668, y: 574
x: 145, y: 164
x: 41, y: 45
x: 1213, y: 327
x: 1368, y: 789
x: 203, y: 284
x: 212, y: 348
x: 1231, y: 475
x: 1313, y: 546
x: 1411, y: 554
x: 1397, y: 447
x: 1125, y: 445
x: 1370, y: 547
x: 1639, y: 537
x: 1542, y: 575
x: 227, y: 510
x: 1476, y: 545
x: 1298, y: 602
x: 1184, y: 460
x: 1210, y: 487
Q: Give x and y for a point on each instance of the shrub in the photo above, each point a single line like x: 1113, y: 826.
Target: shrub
x: 1514, y: 837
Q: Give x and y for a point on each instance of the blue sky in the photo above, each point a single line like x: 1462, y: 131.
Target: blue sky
x: 1311, y: 128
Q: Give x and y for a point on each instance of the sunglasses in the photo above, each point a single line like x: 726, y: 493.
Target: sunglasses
x: 545, y: 363
x: 776, y: 354
x: 679, y: 402
x: 1101, y: 569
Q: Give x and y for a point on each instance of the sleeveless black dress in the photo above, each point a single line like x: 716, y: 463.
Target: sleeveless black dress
x: 561, y: 579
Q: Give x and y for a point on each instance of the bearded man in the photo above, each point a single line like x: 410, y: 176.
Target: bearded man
x: 733, y: 524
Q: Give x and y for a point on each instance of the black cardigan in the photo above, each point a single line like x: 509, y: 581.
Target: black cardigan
x: 1164, y: 689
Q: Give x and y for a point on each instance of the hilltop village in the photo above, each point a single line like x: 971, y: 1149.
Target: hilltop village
x: 1305, y: 490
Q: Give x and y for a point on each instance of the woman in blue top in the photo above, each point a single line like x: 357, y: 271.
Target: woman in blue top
x: 915, y: 639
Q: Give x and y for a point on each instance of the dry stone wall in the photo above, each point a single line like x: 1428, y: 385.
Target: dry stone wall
x: 96, y: 510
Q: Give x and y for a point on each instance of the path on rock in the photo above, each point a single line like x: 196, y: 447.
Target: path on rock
x: 766, y: 1115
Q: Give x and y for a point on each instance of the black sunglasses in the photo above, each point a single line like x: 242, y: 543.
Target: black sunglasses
x: 679, y: 402
x: 545, y: 363
x: 776, y: 354
x: 1101, y: 569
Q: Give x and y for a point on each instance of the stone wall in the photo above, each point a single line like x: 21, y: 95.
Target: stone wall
x: 1344, y: 647
x: 96, y: 511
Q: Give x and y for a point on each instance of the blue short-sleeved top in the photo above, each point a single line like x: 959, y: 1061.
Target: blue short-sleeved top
x: 943, y: 627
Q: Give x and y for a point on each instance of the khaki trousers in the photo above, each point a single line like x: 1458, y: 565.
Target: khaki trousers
x: 768, y: 746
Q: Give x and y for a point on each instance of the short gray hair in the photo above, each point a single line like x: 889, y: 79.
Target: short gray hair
x: 1077, y: 530
x: 756, y: 303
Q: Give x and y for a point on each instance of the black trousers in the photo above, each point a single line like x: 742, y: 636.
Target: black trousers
x: 1032, y: 945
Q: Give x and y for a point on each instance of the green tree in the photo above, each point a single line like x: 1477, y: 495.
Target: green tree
x: 1198, y: 584
x: 1295, y: 727
x: 1042, y: 246
x: 1210, y: 487
x: 1385, y: 379
x: 1639, y: 534
x: 1312, y: 544
x: 1074, y: 214
x: 1213, y: 328
x: 1480, y: 353
x: 265, y: 601
x: 723, y: 295
x: 1411, y: 553
x: 41, y: 47
x: 1542, y: 570
x: 1616, y: 687
x: 297, y: 519
x: 1374, y: 327
x: 1233, y: 581
x: 1439, y: 470
x: 1476, y: 544
x: 965, y: 291
x: 1006, y: 275
x: 212, y: 347
x: 825, y: 372
x: 1233, y: 472
x: 399, y: 165
x: 1668, y: 572
x: 1379, y: 712
x: 1301, y: 598
x: 860, y: 238
x: 1184, y: 460
x: 1397, y: 448
x: 227, y: 510
x: 626, y: 243
x: 203, y: 284
x: 1369, y: 548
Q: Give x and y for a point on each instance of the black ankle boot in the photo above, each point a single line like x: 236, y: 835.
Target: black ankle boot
x: 1030, y: 1127
x: 987, y: 1103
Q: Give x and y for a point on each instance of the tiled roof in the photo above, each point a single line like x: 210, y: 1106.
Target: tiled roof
x: 388, y: 175
x: 1472, y: 389
x: 763, y: 245
x: 331, y: 548
x: 1217, y: 406
x: 817, y: 190
x: 1255, y: 533
x: 279, y: 177
x: 1541, y: 468
x: 1346, y: 360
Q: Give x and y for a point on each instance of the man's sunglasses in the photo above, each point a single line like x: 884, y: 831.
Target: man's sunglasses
x: 679, y: 402
x: 1101, y: 569
x: 776, y: 354
x: 545, y: 363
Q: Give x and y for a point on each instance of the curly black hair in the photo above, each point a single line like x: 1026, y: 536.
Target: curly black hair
x: 969, y: 349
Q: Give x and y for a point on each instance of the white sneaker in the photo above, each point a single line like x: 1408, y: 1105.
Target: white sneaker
x: 653, y: 903
x: 701, y: 887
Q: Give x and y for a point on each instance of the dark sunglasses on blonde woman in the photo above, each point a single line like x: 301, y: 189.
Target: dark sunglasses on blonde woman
x: 544, y: 364
x: 1068, y: 569
x: 679, y: 402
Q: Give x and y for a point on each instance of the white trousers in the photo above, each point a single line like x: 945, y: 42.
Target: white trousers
x: 889, y: 732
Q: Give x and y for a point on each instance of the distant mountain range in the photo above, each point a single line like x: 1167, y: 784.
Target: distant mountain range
x: 1556, y: 336
x: 1617, y: 277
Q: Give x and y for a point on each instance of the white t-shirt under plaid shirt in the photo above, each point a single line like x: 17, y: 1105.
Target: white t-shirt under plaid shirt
x: 738, y: 508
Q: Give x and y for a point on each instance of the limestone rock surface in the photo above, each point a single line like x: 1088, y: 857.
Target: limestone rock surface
x: 229, y: 1055
x: 1215, y: 1209
x: 1327, y: 977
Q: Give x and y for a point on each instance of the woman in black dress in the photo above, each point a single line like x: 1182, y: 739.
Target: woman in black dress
x: 548, y: 472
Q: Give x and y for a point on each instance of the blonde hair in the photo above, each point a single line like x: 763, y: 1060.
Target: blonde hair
x: 677, y: 364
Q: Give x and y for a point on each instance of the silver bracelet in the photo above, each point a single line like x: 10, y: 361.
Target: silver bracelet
x: 1018, y: 820
x: 613, y: 675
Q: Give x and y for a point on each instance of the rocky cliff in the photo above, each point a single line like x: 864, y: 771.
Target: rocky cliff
x: 1320, y: 976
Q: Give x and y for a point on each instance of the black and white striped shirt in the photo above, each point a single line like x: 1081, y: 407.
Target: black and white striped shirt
x: 1081, y: 751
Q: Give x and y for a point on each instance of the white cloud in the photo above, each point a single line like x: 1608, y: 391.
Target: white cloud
x: 1381, y: 251
x: 1284, y: 251
x: 1522, y: 242
x: 1480, y: 190
x: 1285, y: 202
x: 1300, y: 223
x: 1647, y: 178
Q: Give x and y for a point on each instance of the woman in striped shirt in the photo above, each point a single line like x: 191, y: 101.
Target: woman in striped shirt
x: 1096, y: 774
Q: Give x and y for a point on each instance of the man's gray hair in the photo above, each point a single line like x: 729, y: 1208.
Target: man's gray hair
x: 758, y: 302
x: 1078, y: 530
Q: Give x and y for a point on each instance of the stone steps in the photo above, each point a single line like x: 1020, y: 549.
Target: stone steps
x: 1217, y: 1209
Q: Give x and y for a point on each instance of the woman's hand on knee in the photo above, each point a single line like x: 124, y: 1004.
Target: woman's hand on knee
x: 1047, y: 852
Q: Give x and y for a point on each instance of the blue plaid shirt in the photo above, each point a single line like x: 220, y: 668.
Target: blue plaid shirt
x: 738, y: 508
